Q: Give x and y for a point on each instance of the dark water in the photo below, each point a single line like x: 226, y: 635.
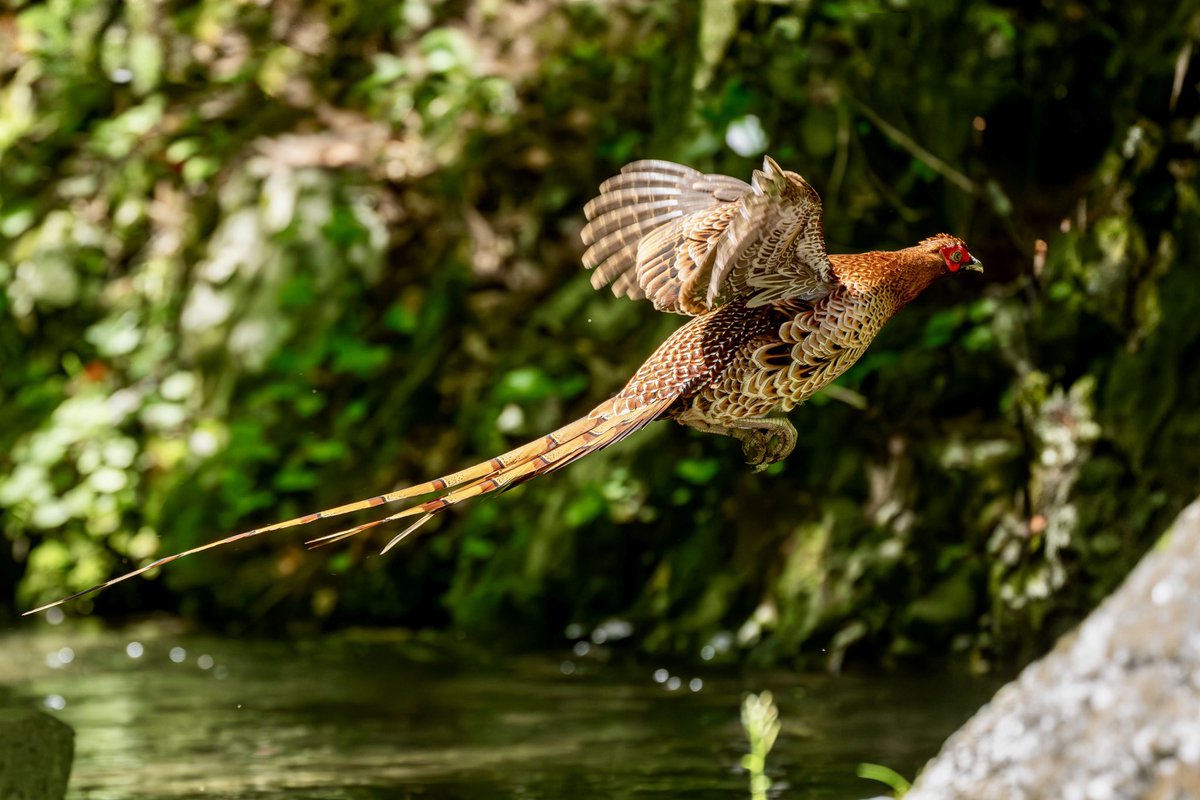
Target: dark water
x: 364, y: 719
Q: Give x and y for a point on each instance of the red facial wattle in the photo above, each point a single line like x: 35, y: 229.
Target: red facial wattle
x: 956, y: 257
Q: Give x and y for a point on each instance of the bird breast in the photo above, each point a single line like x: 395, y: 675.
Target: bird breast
x: 813, y: 347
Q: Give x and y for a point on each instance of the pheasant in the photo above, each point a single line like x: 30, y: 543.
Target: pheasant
x: 774, y: 318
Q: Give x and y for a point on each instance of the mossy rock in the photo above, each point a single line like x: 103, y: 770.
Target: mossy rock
x: 36, y: 751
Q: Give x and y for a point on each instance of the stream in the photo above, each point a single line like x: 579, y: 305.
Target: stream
x: 164, y: 714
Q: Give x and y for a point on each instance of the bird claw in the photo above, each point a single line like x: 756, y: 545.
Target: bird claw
x: 763, y: 448
x: 754, y: 447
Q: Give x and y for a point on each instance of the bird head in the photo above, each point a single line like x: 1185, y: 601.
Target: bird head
x: 952, y: 253
x: 906, y: 273
x: 915, y: 268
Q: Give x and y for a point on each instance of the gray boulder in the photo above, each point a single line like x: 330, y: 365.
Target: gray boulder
x: 35, y: 755
x: 1113, y: 712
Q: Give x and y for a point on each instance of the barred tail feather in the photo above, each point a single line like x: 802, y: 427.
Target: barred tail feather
x: 551, y: 452
x: 608, y: 428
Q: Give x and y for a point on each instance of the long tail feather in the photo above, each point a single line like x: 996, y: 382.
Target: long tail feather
x: 551, y: 452
x: 608, y: 431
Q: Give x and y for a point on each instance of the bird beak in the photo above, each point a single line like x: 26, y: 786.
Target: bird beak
x: 975, y: 265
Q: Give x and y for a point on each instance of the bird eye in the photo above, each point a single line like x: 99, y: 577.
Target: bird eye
x: 956, y: 256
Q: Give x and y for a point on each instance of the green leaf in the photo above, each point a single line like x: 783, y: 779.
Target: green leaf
x: 950, y: 601
x: 940, y: 328
x: 359, y: 359
x: 524, y: 384
x: 325, y: 451
x: 583, y: 509
x: 699, y: 471
x: 885, y: 775
x: 293, y: 478
x: 400, y: 319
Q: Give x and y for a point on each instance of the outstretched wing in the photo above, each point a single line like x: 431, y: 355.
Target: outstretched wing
x: 650, y: 230
x: 690, y: 242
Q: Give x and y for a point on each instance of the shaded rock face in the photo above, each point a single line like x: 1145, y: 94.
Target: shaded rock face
x: 1113, y: 712
x: 35, y: 755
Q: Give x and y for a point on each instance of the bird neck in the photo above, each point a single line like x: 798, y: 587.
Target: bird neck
x: 897, y: 274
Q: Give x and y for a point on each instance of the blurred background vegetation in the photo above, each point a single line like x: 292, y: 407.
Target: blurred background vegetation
x: 260, y: 258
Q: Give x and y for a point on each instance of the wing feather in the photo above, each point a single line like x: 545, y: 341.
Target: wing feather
x: 690, y: 242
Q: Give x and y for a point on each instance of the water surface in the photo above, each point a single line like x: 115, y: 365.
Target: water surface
x: 166, y: 715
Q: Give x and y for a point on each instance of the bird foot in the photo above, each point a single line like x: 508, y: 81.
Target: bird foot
x: 765, y: 446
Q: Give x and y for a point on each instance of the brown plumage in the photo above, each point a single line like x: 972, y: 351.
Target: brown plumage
x: 773, y: 320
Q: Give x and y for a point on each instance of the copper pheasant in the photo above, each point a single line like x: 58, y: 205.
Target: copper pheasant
x: 774, y: 318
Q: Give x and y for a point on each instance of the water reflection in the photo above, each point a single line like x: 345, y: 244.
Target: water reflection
x: 170, y: 716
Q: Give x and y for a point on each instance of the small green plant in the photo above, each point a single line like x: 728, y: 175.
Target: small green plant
x: 760, y: 719
x: 877, y: 772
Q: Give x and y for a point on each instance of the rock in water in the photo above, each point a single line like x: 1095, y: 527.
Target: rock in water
x: 35, y: 755
x: 1113, y: 712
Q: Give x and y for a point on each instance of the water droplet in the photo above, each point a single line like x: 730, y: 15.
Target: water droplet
x: 60, y: 658
x: 134, y: 649
x: 55, y: 701
x: 661, y: 675
x: 55, y: 616
x: 708, y: 652
x: 178, y: 655
x: 567, y: 667
x: 581, y: 649
x: 695, y: 684
x: 673, y: 683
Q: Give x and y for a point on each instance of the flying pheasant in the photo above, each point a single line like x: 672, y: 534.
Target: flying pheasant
x: 773, y: 320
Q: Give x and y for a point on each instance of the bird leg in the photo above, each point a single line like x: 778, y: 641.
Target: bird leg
x: 765, y: 440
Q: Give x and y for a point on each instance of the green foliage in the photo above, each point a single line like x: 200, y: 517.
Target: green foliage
x: 258, y: 260
x: 885, y: 775
x: 760, y: 721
